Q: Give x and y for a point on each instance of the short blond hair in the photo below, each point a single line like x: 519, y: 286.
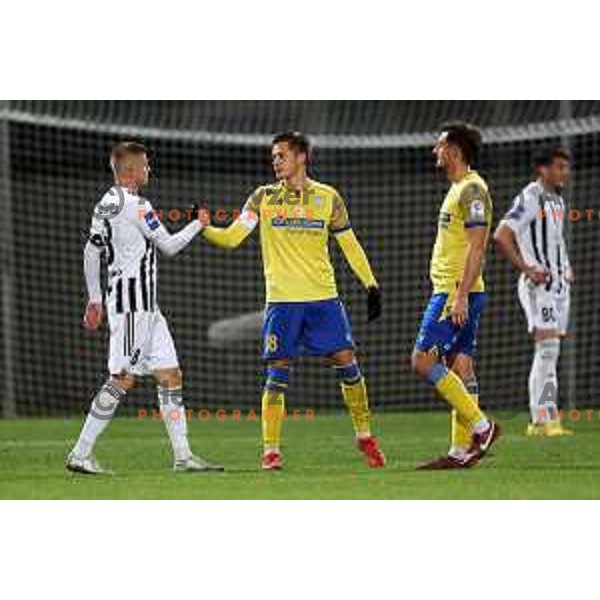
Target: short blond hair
x: 124, y: 150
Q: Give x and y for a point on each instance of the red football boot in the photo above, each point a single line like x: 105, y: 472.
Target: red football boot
x: 370, y: 448
x: 445, y: 463
x: 482, y: 442
x: 271, y: 461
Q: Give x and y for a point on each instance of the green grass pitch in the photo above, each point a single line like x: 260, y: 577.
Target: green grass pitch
x: 321, y: 461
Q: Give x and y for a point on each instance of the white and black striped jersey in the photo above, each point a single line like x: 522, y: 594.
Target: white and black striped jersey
x: 537, y: 218
x: 127, y: 230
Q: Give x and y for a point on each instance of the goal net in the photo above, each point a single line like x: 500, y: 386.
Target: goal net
x: 53, y: 169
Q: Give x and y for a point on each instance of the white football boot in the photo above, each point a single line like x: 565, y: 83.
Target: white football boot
x: 194, y: 464
x: 85, y: 465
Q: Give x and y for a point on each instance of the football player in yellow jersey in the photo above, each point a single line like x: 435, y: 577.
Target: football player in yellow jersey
x: 303, y: 312
x: 446, y: 342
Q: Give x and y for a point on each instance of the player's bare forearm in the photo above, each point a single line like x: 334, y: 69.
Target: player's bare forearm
x: 504, y: 240
x: 91, y: 270
x: 506, y: 244
x: 477, y: 240
x: 569, y: 272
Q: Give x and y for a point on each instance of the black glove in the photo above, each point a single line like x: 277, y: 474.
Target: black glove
x: 373, y: 304
x: 193, y: 211
x: 197, y: 212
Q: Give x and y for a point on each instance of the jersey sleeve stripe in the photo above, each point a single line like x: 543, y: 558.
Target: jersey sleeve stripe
x: 341, y: 229
x: 475, y: 224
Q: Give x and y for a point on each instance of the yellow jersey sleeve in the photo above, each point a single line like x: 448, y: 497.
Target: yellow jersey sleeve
x: 475, y: 206
x: 340, y: 220
x: 356, y: 257
x: 254, y: 201
x: 340, y: 226
x: 232, y: 236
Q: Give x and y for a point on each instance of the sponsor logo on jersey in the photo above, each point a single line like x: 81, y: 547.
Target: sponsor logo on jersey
x: 297, y: 223
x: 135, y: 357
x: 151, y: 220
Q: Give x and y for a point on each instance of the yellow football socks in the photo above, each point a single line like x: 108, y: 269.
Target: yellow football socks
x: 354, y: 392
x: 460, y: 430
x: 273, y: 406
x: 356, y: 399
x: 453, y: 390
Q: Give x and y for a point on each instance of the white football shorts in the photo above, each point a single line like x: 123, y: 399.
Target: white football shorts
x: 140, y: 343
x: 545, y: 309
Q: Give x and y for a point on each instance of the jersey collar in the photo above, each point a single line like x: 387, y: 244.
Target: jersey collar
x: 309, y: 183
x: 126, y: 189
x: 469, y: 173
x: 544, y: 190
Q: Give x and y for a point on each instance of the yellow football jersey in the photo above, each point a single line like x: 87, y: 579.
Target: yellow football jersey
x: 467, y: 204
x: 294, y: 234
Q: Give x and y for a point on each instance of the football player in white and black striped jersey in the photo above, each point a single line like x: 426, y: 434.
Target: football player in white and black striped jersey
x: 531, y: 236
x: 126, y: 229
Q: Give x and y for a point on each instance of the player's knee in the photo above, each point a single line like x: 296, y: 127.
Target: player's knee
x: 421, y: 362
x: 427, y: 365
x: 278, y: 376
x: 548, y: 350
x: 125, y: 381
x: 284, y: 363
x: 169, y: 378
x: 462, y: 365
x: 540, y: 335
x: 341, y: 358
x: 349, y: 373
x: 108, y: 398
x: 415, y: 362
x: 176, y: 379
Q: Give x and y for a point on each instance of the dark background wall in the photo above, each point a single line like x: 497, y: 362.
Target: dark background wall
x: 58, y: 170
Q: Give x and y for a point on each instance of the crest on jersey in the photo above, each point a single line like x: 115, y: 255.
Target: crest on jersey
x: 318, y: 200
x: 477, y: 210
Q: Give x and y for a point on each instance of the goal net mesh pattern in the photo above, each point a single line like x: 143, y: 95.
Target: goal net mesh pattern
x: 53, y: 168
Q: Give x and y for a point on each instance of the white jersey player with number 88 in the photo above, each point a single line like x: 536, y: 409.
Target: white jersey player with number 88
x: 531, y: 236
x: 127, y: 230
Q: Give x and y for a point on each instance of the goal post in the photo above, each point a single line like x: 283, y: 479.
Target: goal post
x: 8, y: 401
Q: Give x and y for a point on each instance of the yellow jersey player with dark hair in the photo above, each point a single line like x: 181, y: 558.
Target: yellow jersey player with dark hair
x: 446, y: 342
x: 297, y: 216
